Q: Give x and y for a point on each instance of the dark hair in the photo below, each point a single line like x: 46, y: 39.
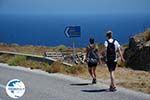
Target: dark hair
x: 109, y: 35
x: 91, y: 40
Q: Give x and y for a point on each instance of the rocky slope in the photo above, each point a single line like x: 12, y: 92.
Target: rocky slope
x: 137, y: 55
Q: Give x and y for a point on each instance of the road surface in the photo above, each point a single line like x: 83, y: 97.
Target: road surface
x: 44, y: 86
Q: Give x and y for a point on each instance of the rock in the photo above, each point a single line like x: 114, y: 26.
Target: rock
x: 137, y: 55
x: 147, y: 44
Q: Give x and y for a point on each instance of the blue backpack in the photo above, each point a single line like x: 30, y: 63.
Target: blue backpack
x: 92, y: 55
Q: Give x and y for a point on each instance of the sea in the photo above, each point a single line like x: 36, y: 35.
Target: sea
x: 49, y: 30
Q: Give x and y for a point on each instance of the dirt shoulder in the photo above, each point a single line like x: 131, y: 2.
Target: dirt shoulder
x: 125, y: 77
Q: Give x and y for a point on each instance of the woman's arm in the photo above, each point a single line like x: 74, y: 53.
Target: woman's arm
x: 87, y: 51
x: 99, y: 56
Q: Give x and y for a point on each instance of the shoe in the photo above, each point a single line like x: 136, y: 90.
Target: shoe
x: 94, y: 81
x: 112, y: 89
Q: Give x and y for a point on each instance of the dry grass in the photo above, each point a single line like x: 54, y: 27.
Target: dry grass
x: 136, y: 80
x: 37, y: 50
x: 25, y: 49
x: 128, y: 78
x: 76, y: 70
x: 56, y: 67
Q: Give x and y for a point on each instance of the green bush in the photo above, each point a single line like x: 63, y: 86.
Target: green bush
x: 45, y: 66
x: 4, y: 58
x: 36, y: 65
x: 17, y: 60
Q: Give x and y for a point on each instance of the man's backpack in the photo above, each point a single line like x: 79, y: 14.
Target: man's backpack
x: 111, y: 52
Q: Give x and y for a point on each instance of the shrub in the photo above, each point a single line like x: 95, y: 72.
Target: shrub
x: 56, y: 67
x: 76, y: 69
x: 17, y: 60
x: 36, y: 65
x: 45, y: 66
x: 4, y: 58
x: 32, y: 64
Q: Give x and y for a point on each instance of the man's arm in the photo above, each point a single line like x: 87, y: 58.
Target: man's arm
x: 121, y: 55
x: 120, y: 52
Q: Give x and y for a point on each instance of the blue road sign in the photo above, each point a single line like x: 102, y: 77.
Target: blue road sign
x: 73, y: 31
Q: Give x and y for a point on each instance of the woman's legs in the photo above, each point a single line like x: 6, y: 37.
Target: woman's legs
x: 90, y: 71
x: 94, y: 71
x: 94, y: 74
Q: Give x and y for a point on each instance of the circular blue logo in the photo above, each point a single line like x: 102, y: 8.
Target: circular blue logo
x: 15, y: 88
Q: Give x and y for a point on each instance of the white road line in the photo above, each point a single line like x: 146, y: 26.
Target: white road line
x: 2, y: 86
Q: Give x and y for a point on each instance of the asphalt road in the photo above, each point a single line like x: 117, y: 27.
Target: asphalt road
x: 43, y: 86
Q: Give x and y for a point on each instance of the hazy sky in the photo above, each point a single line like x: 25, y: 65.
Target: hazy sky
x: 77, y: 7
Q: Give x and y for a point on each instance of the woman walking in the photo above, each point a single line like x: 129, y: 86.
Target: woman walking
x: 92, y: 59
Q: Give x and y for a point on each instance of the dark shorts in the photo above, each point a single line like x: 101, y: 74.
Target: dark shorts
x: 111, y: 66
x: 92, y: 64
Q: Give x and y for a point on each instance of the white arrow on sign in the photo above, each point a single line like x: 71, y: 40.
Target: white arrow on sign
x: 66, y: 32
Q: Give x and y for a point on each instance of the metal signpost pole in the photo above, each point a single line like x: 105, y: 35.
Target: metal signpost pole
x: 72, y: 32
x: 74, y: 52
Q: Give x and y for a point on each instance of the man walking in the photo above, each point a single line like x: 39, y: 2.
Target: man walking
x: 112, y: 47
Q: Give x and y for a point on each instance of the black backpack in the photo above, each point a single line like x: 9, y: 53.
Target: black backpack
x: 111, y: 52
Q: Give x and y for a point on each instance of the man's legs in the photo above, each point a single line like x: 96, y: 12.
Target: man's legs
x: 112, y: 78
x: 112, y: 67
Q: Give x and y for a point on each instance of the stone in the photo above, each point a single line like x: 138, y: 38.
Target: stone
x: 137, y: 55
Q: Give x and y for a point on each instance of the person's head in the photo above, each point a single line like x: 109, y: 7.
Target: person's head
x: 109, y: 34
x: 91, y: 40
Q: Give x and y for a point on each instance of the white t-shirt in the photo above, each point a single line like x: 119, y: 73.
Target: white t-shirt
x: 117, y: 45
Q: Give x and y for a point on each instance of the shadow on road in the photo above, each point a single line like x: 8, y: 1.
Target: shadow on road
x: 81, y: 84
x: 95, y: 91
